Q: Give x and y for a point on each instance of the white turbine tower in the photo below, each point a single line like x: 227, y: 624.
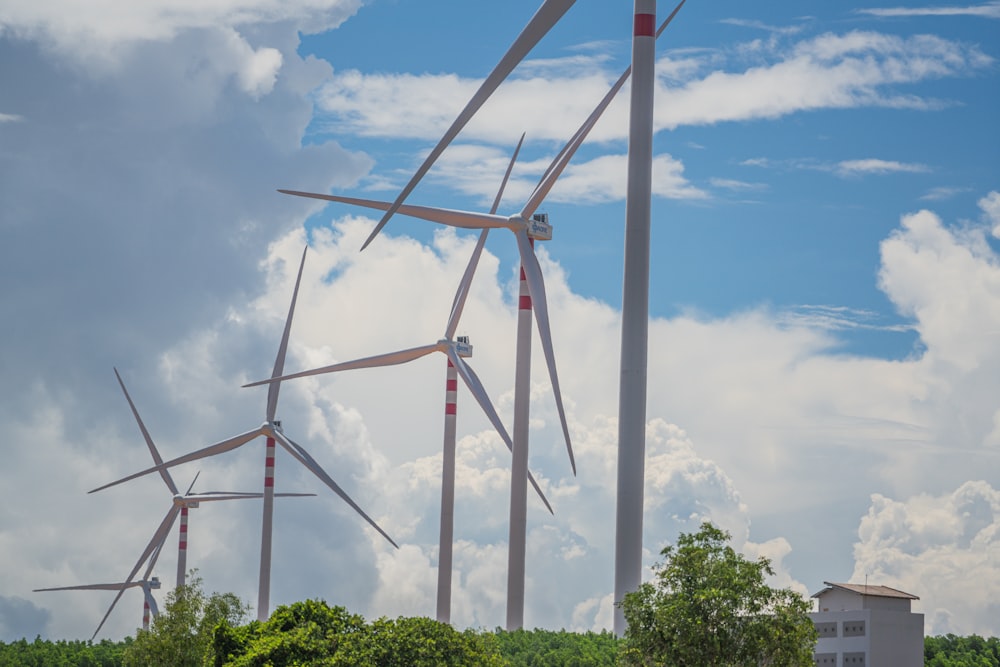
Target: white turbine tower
x: 635, y: 311
x: 543, y: 20
x: 456, y: 350
x: 270, y: 429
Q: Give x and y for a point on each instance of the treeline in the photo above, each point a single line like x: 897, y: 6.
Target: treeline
x: 256, y: 644
x: 953, y: 651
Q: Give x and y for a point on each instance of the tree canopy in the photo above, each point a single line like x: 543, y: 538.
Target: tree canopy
x: 181, y: 636
x: 709, y: 605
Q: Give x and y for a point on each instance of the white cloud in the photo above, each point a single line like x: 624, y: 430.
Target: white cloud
x: 877, y: 166
x: 945, y: 549
x: 985, y: 10
x: 10, y: 118
x: 856, y: 69
x: 990, y: 205
x: 942, y: 192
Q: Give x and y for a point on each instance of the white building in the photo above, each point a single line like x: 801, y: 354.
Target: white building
x: 867, y: 626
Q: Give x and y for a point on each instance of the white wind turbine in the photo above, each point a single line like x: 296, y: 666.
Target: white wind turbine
x: 188, y: 500
x: 532, y: 299
x: 270, y: 429
x: 146, y: 584
x: 455, y: 350
x: 543, y: 20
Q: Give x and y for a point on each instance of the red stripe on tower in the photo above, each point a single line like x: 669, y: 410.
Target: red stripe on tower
x: 450, y: 409
x: 183, y: 545
x: 645, y: 25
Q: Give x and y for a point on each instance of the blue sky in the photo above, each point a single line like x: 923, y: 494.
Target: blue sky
x: 825, y: 294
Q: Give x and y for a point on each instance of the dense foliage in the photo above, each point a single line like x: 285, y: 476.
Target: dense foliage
x: 45, y: 653
x: 181, y: 636
x: 710, y: 605
x: 545, y: 648
x: 313, y: 633
x: 952, y: 651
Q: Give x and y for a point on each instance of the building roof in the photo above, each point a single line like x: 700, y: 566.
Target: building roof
x: 865, y: 589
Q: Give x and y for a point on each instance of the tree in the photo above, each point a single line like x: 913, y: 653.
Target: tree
x: 181, y: 636
x: 313, y: 633
x: 710, y: 605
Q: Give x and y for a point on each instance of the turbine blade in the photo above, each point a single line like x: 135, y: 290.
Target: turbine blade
x: 546, y: 16
x: 85, y: 587
x: 310, y: 463
x: 389, y: 359
x: 192, y: 483
x: 158, y: 537
x: 153, y: 609
x: 279, y: 360
x: 458, y: 305
x: 562, y: 159
x: 475, y: 385
x: 536, y: 287
x: 211, y: 450
x: 167, y: 479
x: 445, y: 216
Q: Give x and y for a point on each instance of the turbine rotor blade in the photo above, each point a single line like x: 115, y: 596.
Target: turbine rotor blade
x: 188, y: 493
x: 167, y: 479
x: 87, y: 587
x: 539, y: 304
x: 546, y: 16
x: 475, y: 386
x: 458, y: 305
x: 444, y: 216
x: 279, y: 360
x: 389, y: 359
x: 315, y: 468
x: 211, y: 450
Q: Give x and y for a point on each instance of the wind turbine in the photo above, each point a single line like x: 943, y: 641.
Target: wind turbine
x: 147, y: 585
x: 270, y: 429
x: 456, y: 351
x: 527, y: 227
x: 186, y: 501
x: 546, y: 17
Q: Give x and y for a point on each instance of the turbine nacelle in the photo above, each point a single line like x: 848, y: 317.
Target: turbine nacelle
x: 463, y: 347
x: 182, y: 501
x: 154, y: 583
x: 539, y: 228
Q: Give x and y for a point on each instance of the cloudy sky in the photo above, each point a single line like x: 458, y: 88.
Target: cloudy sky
x: 825, y: 296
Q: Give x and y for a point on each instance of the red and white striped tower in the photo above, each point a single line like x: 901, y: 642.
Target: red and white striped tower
x: 145, y: 613
x: 182, y: 546
x: 264, y: 590
x: 635, y: 312
x: 519, y: 466
x: 447, y: 529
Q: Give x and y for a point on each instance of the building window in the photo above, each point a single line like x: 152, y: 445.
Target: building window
x: 854, y: 659
x: 828, y: 629
x: 826, y: 659
x: 854, y: 628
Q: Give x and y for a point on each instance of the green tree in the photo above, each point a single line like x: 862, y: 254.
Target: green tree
x: 549, y: 648
x: 710, y: 605
x: 181, y: 636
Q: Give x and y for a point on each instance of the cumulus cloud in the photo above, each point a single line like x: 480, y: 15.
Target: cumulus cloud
x: 942, y: 548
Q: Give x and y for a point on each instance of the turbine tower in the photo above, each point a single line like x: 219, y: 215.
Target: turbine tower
x: 270, y: 429
x: 635, y: 311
